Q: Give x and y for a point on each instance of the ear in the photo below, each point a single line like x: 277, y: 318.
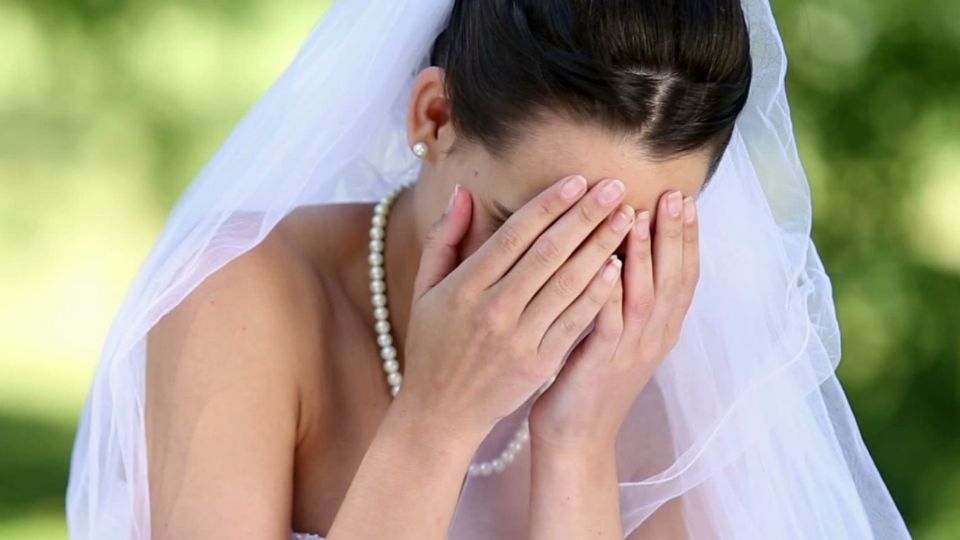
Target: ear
x: 428, y: 114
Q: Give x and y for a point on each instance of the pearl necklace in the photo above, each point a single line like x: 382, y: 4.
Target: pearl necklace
x: 378, y: 289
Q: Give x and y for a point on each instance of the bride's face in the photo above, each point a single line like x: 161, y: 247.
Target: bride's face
x: 555, y: 149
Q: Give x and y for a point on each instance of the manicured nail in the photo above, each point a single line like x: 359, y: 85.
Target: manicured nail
x: 674, y: 203
x: 643, y: 225
x: 573, y: 187
x: 623, y: 218
x: 689, y: 210
x: 610, y: 192
x: 453, y: 197
x: 612, y: 269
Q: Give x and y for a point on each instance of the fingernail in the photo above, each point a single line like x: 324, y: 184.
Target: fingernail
x: 453, y: 197
x: 623, y: 218
x: 612, y: 269
x: 674, y: 203
x: 573, y: 187
x: 611, y: 191
x: 689, y: 210
x: 643, y: 225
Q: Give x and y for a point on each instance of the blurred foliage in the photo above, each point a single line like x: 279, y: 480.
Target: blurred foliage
x: 109, y: 107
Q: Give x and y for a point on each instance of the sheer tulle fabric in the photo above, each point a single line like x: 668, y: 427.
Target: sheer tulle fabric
x: 745, y: 422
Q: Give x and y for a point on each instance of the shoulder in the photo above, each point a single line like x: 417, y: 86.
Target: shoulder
x: 264, y: 292
x: 223, y: 391
x: 255, y: 326
x: 266, y: 316
x: 329, y: 234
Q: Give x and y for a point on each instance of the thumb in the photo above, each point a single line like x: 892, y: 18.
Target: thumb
x: 440, y: 248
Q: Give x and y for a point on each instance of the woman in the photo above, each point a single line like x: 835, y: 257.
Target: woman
x: 682, y: 388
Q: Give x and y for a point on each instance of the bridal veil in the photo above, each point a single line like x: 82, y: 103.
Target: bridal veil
x: 745, y: 421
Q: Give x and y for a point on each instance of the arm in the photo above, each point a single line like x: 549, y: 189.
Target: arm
x: 574, y: 494
x: 577, y: 495
x: 222, y: 403
x: 409, y: 479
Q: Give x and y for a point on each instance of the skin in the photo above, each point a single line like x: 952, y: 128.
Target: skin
x: 236, y: 402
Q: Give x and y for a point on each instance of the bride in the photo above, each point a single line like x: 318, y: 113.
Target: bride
x: 495, y: 269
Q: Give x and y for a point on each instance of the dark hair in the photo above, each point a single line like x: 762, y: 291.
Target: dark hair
x: 673, y: 74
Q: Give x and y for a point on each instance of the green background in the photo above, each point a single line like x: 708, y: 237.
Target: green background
x: 108, y: 108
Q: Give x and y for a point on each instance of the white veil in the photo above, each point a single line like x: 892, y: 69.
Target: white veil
x: 745, y: 421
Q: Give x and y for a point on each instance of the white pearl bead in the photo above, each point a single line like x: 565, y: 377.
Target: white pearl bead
x: 388, y: 352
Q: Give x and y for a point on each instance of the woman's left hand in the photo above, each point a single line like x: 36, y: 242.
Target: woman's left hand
x: 583, y: 409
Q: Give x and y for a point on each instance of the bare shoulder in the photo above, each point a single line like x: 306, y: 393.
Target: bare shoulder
x: 260, y: 302
x: 329, y: 234
x: 224, y: 375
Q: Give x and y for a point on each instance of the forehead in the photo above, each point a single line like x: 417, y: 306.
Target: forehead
x: 556, y: 147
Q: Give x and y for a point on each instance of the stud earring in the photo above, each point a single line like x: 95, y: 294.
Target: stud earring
x: 420, y: 149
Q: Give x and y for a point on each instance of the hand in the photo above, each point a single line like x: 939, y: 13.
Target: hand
x: 583, y: 410
x: 484, y: 336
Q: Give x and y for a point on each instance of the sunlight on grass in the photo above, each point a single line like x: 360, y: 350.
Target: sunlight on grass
x: 35, y: 526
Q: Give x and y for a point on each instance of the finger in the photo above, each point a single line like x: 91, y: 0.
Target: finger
x: 667, y: 264
x: 439, y: 255
x: 501, y: 251
x: 690, y: 273
x: 575, y: 274
x: 639, y: 292
x: 555, y: 246
x: 601, y: 345
x: 569, y: 326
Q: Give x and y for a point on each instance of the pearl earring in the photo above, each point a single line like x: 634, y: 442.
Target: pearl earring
x: 420, y: 149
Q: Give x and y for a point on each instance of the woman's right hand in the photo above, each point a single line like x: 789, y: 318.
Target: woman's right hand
x: 487, y: 334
